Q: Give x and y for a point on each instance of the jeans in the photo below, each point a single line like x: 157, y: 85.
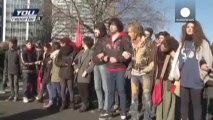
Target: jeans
x: 100, y: 80
x: 144, y: 80
x: 14, y: 85
x: 42, y: 89
x: 116, y: 80
x: 30, y: 84
x: 56, y: 93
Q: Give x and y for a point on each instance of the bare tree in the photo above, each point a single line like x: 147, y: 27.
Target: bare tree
x: 67, y: 12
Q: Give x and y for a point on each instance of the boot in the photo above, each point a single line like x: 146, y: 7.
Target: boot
x: 63, y: 106
x: 83, y: 108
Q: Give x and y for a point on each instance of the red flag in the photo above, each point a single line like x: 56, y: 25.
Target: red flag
x: 78, y: 37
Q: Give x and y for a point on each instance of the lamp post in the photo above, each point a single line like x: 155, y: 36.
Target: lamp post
x: 27, y: 23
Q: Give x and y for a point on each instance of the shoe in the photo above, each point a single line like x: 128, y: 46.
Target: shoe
x: 2, y: 92
x: 72, y: 106
x: 83, y: 108
x: 123, y: 116
x: 15, y: 99
x: 25, y: 100
x: 106, y: 116
x: 63, y: 107
x: 99, y: 110
x: 9, y: 98
x: 48, y: 105
x: 37, y: 98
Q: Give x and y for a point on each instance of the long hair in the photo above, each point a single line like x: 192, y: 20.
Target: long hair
x: 198, y: 34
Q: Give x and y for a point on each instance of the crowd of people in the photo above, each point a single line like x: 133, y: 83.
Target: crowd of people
x: 125, y: 68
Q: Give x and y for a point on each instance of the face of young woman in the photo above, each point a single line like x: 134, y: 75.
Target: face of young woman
x: 132, y: 34
x: 190, y: 29
x: 161, y: 39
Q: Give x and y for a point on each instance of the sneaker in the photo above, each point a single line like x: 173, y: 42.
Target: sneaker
x: 48, y: 105
x: 25, y: 100
x: 106, y: 116
x: 123, y: 116
x: 15, y: 99
x: 9, y: 98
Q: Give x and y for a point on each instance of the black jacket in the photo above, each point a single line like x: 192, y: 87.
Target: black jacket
x: 46, y: 69
x: 116, y: 48
x: 64, y: 61
x: 99, y: 45
x: 28, y: 59
x: 12, y: 64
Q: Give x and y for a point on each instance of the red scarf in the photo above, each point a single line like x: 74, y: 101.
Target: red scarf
x: 29, y: 49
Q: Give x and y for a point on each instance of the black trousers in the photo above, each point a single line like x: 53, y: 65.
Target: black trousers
x: 66, y: 84
x: 83, y: 89
x: 195, y: 96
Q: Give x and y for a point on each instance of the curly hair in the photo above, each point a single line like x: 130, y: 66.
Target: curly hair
x: 198, y: 34
x: 117, y: 22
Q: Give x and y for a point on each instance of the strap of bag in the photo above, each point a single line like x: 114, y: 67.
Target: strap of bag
x: 165, y: 64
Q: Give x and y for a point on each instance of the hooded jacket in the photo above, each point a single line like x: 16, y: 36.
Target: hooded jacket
x: 115, y: 49
x: 99, y: 45
x: 64, y: 62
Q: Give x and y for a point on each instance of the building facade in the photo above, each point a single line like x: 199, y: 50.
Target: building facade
x: 19, y: 29
x: 64, y: 19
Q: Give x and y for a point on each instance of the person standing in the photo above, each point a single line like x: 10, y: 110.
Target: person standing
x: 116, y: 66
x: 195, y: 60
x: 84, y: 68
x: 55, y: 98
x: 28, y: 67
x: 12, y: 65
x: 141, y: 65
x: 100, y: 73
x: 66, y: 73
x: 167, y: 46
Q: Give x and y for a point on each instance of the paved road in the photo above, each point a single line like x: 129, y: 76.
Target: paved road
x: 34, y: 111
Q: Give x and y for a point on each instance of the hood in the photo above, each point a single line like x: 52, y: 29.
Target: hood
x: 102, y: 28
x: 54, y: 54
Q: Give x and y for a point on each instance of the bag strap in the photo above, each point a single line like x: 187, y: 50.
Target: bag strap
x: 165, y: 64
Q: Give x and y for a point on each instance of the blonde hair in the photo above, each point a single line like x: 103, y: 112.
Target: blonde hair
x: 136, y: 28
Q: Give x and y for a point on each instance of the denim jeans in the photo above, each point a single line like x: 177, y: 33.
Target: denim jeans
x: 100, y: 81
x: 144, y: 80
x: 30, y: 84
x: 14, y: 85
x: 49, y: 86
x: 56, y: 93
x: 116, y: 80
